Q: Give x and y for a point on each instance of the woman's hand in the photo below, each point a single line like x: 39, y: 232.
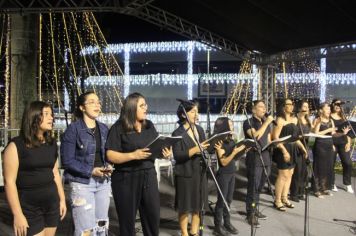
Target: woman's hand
x: 305, y: 153
x: 205, y: 144
x: 62, y: 209
x: 239, y: 149
x: 286, y: 156
x: 20, y: 225
x: 218, y: 145
x: 167, y: 153
x: 346, y: 129
x: 98, y: 172
x: 141, y: 154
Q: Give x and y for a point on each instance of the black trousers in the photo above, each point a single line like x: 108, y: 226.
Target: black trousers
x: 137, y: 190
x: 256, y: 180
x: 346, y: 164
x: 227, y: 186
x: 299, y: 178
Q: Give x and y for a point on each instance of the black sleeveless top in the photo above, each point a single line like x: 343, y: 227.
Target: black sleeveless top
x: 35, y: 164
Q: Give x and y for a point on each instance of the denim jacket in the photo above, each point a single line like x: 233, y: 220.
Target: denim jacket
x: 78, y: 148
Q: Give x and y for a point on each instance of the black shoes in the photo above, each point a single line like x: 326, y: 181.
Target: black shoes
x: 294, y: 198
x: 220, y: 231
x: 260, y: 216
x: 231, y: 229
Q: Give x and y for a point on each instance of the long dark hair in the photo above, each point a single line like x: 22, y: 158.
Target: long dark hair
x: 128, y: 114
x: 188, y: 106
x: 280, y: 109
x: 222, y: 125
x: 334, y: 104
x: 306, y: 116
x: 31, y: 121
x: 78, y: 113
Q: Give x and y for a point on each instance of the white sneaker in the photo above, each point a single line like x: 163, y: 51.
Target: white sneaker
x: 349, y: 189
x: 334, y: 189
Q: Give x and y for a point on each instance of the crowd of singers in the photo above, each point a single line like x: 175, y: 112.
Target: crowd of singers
x: 99, y: 161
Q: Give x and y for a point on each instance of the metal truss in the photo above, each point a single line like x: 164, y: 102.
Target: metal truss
x: 145, y: 11
x: 139, y: 8
x: 268, y: 88
x: 46, y: 6
x: 327, y: 51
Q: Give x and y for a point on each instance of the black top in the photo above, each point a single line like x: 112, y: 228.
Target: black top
x: 120, y: 141
x: 231, y: 167
x: 251, y: 157
x: 303, y: 129
x: 185, y: 165
x: 340, y: 139
x: 35, y: 164
x: 98, y: 162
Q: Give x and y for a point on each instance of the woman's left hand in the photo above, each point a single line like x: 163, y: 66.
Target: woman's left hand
x: 167, y: 153
x: 346, y: 129
x: 62, y: 209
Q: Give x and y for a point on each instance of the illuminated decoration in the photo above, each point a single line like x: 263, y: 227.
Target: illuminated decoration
x: 127, y: 71
x: 323, y: 79
x: 171, y: 79
x: 151, y: 47
x: 190, y: 70
x: 255, y: 80
x: 329, y: 78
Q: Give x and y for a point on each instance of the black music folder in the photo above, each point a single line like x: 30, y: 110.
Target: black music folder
x: 161, y: 142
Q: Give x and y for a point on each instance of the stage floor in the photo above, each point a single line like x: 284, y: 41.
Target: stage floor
x: 322, y: 212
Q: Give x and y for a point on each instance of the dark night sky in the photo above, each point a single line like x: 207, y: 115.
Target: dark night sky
x: 119, y: 28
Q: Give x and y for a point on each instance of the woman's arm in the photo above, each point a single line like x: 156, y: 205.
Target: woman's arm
x: 62, y: 199
x: 225, y: 160
x: 121, y: 157
x: 276, y: 132
x: 11, y: 166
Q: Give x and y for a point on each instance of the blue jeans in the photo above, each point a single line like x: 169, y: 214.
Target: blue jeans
x: 90, y: 206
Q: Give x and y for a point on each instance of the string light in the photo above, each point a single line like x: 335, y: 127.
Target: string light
x: 171, y: 79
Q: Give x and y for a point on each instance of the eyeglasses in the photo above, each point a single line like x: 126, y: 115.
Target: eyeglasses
x: 289, y: 104
x: 92, y: 103
x: 144, y: 105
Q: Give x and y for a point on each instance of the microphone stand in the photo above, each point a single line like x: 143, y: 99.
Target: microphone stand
x: 207, y: 167
x: 307, y: 188
x: 259, y: 150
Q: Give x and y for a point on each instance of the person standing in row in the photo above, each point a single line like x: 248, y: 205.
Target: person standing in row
x: 257, y: 127
x: 286, y: 154
x: 227, y: 153
x: 190, y: 170
x: 134, y: 180
x: 342, y: 143
x: 33, y: 185
x: 323, y: 152
x: 300, y: 174
x: 86, y: 168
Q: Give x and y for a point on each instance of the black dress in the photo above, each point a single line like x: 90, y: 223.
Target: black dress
x: 288, y: 129
x: 323, y: 159
x: 190, y: 174
x: 300, y: 174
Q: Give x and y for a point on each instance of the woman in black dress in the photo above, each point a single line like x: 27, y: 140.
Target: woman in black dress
x: 285, y: 154
x: 33, y: 185
x: 299, y: 178
x: 342, y: 143
x: 190, y: 177
x: 323, y: 152
x: 134, y: 180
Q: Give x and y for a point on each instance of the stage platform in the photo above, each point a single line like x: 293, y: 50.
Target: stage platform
x: 322, y: 212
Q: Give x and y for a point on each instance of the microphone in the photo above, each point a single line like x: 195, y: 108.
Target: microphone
x: 267, y: 115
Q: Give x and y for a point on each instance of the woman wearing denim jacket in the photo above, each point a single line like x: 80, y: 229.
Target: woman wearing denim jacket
x: 86, y: 169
